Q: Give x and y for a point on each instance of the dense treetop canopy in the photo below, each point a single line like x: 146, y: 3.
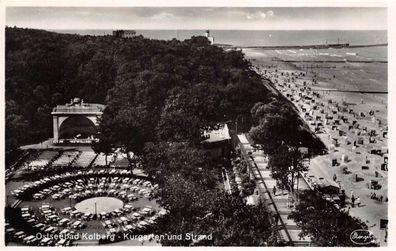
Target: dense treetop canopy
x: 159, y: 97
x: 142, y: 81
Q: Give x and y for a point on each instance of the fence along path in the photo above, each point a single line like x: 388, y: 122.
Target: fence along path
x: 278, y: 203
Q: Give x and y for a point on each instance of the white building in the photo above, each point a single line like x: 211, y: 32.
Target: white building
x: 207, y: 35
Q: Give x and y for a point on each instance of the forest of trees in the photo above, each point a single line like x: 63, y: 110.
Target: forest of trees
x: 159, y: 97
x: 155, y: 81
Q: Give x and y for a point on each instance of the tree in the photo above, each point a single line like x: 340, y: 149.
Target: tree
x: 195, y: 209
x: 278, y: 128
x: 165, y: 158
x: 321, y: 220
x: 104, y: 145
x: 281, y: 133
x: 280, y: 164
x: 15, y: 130
x: 187, y: 112
x: 121, y: 130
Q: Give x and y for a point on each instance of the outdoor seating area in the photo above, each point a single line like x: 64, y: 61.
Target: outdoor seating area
x: 74, y: 187
x: 88, y: 183
x: 100, y: 160
x: 47, y: 222
x: 85, y: 159
x: 42, y: 161
x: 59, y: 160
x: 132, y: 220
x: 66, y: 159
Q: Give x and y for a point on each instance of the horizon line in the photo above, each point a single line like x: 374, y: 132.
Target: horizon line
x: 52, y: 29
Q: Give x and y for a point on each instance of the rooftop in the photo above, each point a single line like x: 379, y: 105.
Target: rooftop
x: 218, y: 135
x: 77, y: 105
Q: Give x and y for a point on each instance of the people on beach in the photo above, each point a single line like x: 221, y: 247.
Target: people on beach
x: 378, y: 198
x: 334, y: 108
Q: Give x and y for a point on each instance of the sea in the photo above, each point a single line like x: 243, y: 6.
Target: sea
x: 260, y: 37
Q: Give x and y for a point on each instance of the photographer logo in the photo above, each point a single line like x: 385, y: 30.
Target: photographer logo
x: 362, y: 237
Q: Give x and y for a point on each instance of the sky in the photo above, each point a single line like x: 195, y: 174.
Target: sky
x: 228, y: 18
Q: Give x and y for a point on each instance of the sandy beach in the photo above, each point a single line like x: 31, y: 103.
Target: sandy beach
x: 346, y: 105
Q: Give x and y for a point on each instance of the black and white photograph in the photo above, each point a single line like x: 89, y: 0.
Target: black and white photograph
x: 196, y: 126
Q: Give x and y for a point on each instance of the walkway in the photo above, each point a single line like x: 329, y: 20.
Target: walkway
x: 277, y: 204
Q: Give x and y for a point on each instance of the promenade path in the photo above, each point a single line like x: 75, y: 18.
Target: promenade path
x: 278, y: 203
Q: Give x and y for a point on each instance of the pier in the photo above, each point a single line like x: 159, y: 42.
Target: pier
x: 312, y: 46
